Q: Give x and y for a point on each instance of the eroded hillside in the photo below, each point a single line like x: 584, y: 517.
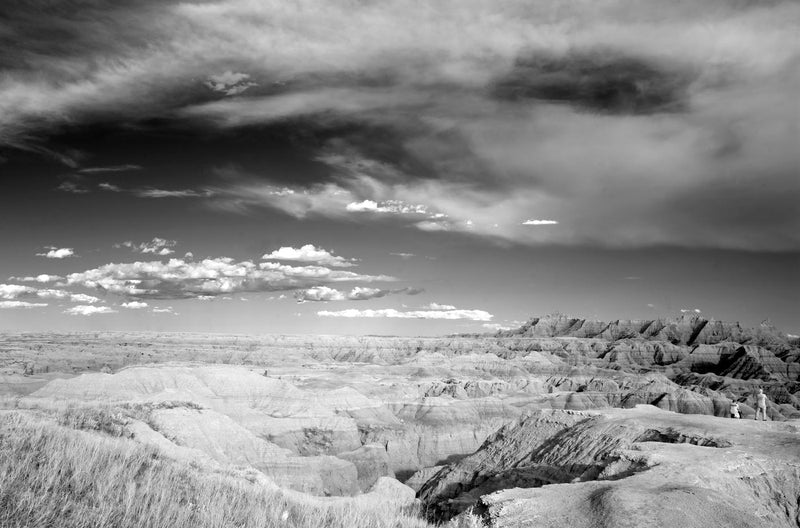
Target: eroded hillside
x: 482, y: 422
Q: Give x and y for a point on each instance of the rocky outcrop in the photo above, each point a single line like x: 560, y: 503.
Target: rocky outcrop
x: 639, y: 467
x: 684, y: 330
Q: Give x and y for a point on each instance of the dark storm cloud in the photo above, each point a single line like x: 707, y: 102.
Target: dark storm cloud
x: 599, y: 81
x: 601, y: 117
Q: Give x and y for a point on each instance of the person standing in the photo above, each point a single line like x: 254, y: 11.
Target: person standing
x: 735, y: 409
x: 761, y: 401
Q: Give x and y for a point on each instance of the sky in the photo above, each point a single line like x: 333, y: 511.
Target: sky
x: 396, y: 167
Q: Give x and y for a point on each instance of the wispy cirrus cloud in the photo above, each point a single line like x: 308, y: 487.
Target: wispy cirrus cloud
x: 43, y: 278
x: 9, y: 305
x: 472, y: 315
x: 539, y: 222
x: 82, y: 309
x: 112, y: 168
x: 359, y: 293
x: 157, y: 246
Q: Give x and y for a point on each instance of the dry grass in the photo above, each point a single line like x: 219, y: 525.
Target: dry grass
x: 52, y: 475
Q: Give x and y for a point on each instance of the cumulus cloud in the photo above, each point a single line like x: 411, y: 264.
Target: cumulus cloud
x: 319, y: 293
x: 157, y: 246
x: 178, y: 278
x: 135, y: 305
x: 20, y: 304
x: 83, y: 298
x: 165, y: 310
x: 473, y: 315
x: 309, y: 253
x: 57, y: 253
x: 12, y: 291
x: 66, y: 295
x: 404, y: 256
x: 86, y: 309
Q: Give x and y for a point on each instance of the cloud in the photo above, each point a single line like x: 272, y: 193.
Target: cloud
x: 404, y: 256
x: 39, y: 278
x: 539, y: 222
x: 230, y: 83
x: 82, y: 309
x: 135, y: 305
x: 105, y: 186
x: 473, y: 315
x: 437, y: 306
x: 157, y: 246
x: 165, y: 310
x: 178, y: 278
x: 72, y: 187
x: 12, y: 291
x: 309, y: 253
x: 113, y: 168
x: 388, y: 206
x: 57, y: 253
x: 83, y: 298
x: 20, y: 304
x: 358, y: 293
x: 690, y: 310
x: 619, y: 120
x: 166, y: 193
x: 53, y: 294
x: 319, y: 293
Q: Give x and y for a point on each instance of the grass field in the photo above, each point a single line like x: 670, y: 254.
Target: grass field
x: 74, y: 467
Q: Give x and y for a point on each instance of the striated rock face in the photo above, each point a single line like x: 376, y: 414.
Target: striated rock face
x: 684, y: 330
x: 639, y: 467
x: 371, y: 462
x: 229, y: 443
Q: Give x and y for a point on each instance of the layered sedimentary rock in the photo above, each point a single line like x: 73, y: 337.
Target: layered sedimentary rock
x: 685, y: 330
x: 623, y: 468
x: 400, y: 406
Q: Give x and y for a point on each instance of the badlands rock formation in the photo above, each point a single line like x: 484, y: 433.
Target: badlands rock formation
x: 341, y: 415
x: 635, y: 468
